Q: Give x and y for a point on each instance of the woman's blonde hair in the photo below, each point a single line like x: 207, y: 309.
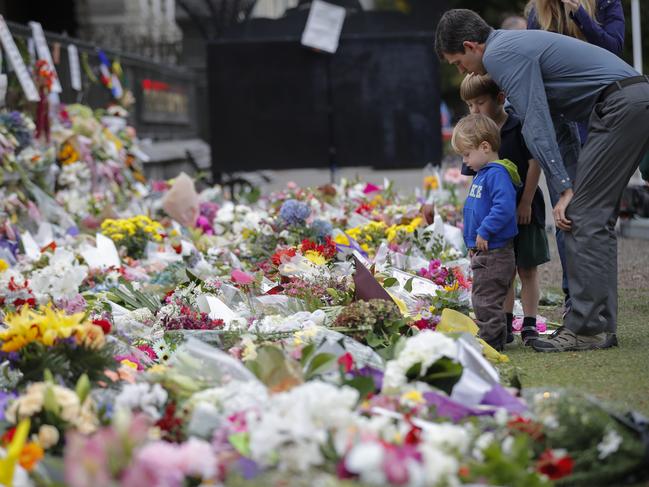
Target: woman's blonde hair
x: 473, y: 130
x: 553, y: 16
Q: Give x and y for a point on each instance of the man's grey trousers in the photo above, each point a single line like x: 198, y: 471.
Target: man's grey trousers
x: 618, y: 138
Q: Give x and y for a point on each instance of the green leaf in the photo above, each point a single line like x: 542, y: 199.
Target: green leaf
x: 364, y: 385
x: 320, y: 364
x: 373, y: 340
x: 241, y: 442
x: 332, y: 292
x: 414, y: 371
x: 443, y: 374
x: 408, y: 285
x: 193, y: 277
x: 390, y: 281
x: 49, y: 402
x: 83, y: 387
x: 48, y: 376
x: 307, y: 352
x: 273, y: 368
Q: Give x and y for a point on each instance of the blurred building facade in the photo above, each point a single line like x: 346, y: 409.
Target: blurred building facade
x: 144, y: 27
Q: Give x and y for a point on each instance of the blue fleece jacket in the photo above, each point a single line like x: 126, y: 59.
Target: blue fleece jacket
x: 490, y: 207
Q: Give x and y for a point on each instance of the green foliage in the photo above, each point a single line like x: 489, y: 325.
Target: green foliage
x: 133, y: 299
x: 376, y: 322
x: 582, y: 425
x: 508, y: 468
x: 443, y: 374
x: 274, y: 369
x: 65, y: 361
x: 363, y: 384
x: 279, y: 371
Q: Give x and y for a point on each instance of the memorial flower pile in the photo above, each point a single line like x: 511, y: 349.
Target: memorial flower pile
x: 311, y: 336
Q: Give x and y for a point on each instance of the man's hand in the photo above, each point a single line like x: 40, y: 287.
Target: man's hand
x: 481, y: 244
x: 524, y: 213
x: 571, y: 5
x: 559, y: 212
x: 428, y: 212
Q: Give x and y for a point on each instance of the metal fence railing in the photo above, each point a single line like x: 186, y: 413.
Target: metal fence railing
x: 165, y: 96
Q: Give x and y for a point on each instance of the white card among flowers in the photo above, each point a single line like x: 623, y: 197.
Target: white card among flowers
x: 215, y: 308
x: 103, y: 255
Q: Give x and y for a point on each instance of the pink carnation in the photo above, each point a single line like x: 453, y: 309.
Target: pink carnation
x: 241, y: 277
x: 371, y: 188
x: 453, y: 175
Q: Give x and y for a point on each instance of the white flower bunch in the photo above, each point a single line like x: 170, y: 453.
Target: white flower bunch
x: 609, y: 444
x: 426, y: 348
x: 70, y: 410
x: 232, y: 397
x: 440, y: 448
x: 60, y: 279
x: 75, y: 201
x: 144, y: 397
x: 294, y: 425
x: 76, y: 175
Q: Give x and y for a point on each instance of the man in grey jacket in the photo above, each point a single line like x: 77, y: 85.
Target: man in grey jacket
x: 550, y: 79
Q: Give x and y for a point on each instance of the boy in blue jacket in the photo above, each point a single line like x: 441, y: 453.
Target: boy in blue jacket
x: 490, y: 222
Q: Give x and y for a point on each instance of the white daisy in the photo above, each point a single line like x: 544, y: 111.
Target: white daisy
x: 162, y: 350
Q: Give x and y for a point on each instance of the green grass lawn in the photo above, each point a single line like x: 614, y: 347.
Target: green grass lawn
x: 619, y: 375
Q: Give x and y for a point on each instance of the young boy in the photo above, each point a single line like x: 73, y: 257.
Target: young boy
x: 489, y: 222
x: 483, y: 96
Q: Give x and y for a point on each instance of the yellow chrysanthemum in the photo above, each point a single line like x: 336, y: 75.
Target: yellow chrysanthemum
x: 341, y: 239
x: 392, y: 232
x: 354, y: 232
x: 3, y: 265
x: 415, y: 223
x: 316, y: 257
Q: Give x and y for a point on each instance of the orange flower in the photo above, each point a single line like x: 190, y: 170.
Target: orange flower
x: 431, y: 182
x: 31, y: 454
x: 90, y: 336
x: 67, y: 154
x: 14, y: 344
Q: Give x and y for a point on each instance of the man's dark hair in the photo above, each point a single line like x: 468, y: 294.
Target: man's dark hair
x: 455, y: 27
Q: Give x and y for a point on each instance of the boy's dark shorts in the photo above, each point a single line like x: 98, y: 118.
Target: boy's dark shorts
x: 531, y: 246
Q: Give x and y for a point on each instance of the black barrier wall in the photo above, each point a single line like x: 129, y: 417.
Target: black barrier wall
x: 276, y: 104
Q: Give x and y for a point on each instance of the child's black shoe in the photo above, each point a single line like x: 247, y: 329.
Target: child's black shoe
x: 529, y: 333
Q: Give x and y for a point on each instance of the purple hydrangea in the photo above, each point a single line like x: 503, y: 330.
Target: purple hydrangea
x: 294, y: 212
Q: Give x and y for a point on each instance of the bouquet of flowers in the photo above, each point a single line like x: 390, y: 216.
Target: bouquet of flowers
x: 133, y: 234
x: 377, y: 322
x: 34, y: 341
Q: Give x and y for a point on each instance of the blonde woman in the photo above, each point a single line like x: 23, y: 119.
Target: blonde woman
x: 599, y: 22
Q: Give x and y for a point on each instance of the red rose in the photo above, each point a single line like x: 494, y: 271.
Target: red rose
x: 554, y: 467
x: 346, y: 361
x: 104, y: 324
